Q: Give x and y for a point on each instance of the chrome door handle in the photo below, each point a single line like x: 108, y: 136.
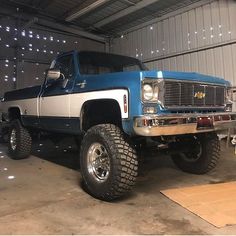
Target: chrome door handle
x: 82, y: 84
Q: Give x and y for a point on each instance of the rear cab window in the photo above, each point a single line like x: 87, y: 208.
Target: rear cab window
x: 92, y: 63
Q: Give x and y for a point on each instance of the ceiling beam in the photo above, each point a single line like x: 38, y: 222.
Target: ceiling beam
x: 125, y: 12
x: 166, y: 16
x: 85, y: 8
x: 48, y: 23
x: 128, y: 2
x: 44, y: 4
x: 30, y: 23
x: 70, y: 29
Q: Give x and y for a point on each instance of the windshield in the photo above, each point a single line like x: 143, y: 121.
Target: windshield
x: 91, y: 63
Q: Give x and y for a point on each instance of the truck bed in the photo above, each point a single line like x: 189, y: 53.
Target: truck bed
x: 26, y: 93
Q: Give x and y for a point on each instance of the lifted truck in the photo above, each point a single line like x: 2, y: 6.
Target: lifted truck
x: 114, y: 104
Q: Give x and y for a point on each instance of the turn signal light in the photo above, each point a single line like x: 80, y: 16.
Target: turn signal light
x: 125, y: 104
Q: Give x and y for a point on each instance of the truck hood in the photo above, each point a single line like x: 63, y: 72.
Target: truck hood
x: 185, y: 76
x: 154, y: 74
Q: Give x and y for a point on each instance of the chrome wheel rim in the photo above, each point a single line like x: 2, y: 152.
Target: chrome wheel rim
x: 13, y: 140
x: 98, y: 162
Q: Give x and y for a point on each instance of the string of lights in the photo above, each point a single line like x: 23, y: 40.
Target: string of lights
x: 29, y: 42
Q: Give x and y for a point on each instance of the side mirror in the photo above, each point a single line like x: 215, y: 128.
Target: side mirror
x: 53, y: 74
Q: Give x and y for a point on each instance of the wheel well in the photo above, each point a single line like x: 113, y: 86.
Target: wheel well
x: 100, y: 112
x: 14, y: 113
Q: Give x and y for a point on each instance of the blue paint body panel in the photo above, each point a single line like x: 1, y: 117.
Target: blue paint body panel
x: 131, y: 81
x: 26, y: 93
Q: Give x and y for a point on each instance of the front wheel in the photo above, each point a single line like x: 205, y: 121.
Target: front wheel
x: 108, y: 162
x: 19, y: 141
x: 203, y: 154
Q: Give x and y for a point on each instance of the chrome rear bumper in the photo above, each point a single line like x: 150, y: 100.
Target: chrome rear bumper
x: 177, y: 124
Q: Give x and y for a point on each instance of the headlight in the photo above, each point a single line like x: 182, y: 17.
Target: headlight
x: 229, y: 95
x: 150, y: 91
x: 229, y: 99
x: 147, y: 92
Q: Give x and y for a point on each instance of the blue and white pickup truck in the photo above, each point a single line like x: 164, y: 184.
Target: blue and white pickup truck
x: 115, y: 104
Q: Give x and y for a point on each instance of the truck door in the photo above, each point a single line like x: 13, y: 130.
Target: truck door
x: 54, y: 102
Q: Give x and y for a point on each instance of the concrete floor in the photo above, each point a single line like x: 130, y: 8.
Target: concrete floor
x: 42, y: 195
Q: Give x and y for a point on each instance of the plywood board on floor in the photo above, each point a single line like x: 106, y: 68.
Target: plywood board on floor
x: 215, y: 203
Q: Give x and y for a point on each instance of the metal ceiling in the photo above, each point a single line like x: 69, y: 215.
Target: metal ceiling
x: 104, y: 17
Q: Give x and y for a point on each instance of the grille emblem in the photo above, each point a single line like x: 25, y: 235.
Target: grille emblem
x: 199, y: 95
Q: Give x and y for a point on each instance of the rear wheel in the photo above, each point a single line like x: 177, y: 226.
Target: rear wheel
x: 203, y: 154
x: 19, y: 141
x: 108, y: 162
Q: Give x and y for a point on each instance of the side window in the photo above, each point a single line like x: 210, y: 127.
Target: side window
x: 66, y: 66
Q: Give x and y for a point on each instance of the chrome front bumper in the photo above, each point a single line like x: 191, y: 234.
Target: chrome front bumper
x: 177, y: 124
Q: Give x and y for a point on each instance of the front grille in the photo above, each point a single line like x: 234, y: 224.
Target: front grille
x: 185, y: 94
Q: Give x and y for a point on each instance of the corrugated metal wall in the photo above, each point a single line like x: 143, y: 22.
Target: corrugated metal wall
x: 36, y: 50
x: 202, y: 40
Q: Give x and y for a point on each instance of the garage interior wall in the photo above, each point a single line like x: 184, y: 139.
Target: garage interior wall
x: 202, y: 39
x: 26, y: 54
